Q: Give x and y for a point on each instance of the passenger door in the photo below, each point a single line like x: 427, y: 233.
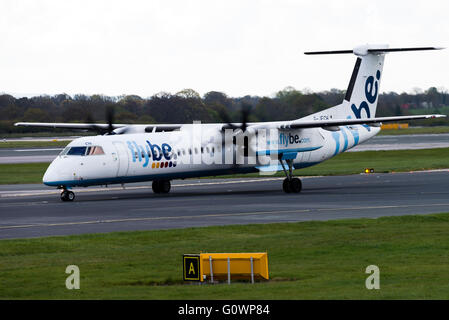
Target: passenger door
x: 121, y: 158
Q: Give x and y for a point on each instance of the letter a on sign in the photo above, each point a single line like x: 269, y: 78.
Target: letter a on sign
x: 191, y: 266
x: 373, y: 281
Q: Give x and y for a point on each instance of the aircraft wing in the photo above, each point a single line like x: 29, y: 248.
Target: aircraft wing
x: 298, y: 124
x: 85, y: 126
x: 104, y: 126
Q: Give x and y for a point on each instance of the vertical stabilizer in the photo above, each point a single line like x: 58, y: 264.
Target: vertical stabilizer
x: 361, y: 97
x: 363, y: 89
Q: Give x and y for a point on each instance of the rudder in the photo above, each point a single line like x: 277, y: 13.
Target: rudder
x: 363, y: 89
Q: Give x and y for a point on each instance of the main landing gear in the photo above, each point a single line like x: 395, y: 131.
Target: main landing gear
x: 161, y: 186
x: 290, y: 184
x: 67, y: 195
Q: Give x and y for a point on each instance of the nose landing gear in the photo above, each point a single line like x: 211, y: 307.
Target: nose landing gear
x: 67, y: 195
x: 290, y: 184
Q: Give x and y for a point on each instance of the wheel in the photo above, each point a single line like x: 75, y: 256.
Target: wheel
x: 165, y: 186
x: 156, y: 187
x: 64, y: 196
x: 67, y: 195
x: 295, y: 185
x: 161, y: 186
x: 70, y: 196
x: 286, y: 186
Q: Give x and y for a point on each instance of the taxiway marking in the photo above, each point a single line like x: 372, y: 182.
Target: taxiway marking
x: 215, y: 215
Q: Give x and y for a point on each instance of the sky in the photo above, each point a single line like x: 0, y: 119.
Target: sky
x: 243, y: 47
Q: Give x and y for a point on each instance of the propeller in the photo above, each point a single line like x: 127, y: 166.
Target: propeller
x: 109, y: 118
x: 243, y: 126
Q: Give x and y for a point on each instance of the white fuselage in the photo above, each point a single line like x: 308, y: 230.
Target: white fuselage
x: 192, y: 153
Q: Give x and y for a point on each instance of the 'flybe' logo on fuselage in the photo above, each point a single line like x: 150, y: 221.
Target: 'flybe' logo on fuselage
x: 287, y: 139
x: 371, y: 91
x: 160, y: 156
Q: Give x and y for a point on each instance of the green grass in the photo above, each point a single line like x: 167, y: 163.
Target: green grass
x: 345, y: 163
x: 412, y: 130
x: 22, y: 173
x: 307, y: 260
x: 380, y: 161
x: 33, y: 144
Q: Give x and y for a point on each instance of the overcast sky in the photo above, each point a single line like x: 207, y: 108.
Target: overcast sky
x: 237, y: 47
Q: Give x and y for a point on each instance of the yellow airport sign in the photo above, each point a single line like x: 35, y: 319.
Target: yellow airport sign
x: 221, y: 266
x: 394, y: 126
x: 191, y: 267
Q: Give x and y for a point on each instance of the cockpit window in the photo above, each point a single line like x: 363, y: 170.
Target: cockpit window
x: 64, y: 151
x: 77, y: 151
x: 95, y: 150
x: 82, y: 151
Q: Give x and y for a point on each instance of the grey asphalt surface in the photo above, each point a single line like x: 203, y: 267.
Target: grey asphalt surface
x: 36, y: 211
x: 422, y: 141
x: 28, y: 155
x: 405, y: 142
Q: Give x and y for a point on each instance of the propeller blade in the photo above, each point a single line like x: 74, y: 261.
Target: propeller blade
x: 110, y: 119
x: 93, y: 126
x: 245, y: 115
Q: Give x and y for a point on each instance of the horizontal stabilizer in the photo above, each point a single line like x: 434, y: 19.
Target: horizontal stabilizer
x: 364, y: 50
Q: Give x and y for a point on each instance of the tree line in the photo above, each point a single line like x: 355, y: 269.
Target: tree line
x: 187, y: 106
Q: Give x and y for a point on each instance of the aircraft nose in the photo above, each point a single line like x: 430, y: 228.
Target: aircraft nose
x: 52, y: 176
x: 49, y: 176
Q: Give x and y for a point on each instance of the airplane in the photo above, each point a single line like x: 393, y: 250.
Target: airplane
x: 162, y: 152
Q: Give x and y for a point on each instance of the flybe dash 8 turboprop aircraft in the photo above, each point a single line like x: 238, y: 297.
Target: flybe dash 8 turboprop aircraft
x: 163, y: 152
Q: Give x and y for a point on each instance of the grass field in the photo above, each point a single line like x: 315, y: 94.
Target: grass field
x: 307, y: 260
x: 345, y: 163
x: 412, y: 130
x: 22, y: 173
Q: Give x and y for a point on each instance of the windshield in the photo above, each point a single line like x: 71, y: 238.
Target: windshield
x: 95, y: 150
x: 64, y: 151
x: 82, y: 151
x: 77, y: 151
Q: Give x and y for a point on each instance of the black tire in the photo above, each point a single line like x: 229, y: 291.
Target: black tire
x: 165, y: 186
x: 67, y: 196
x: 64, y: 196
x: 295, y: 185
x: 286, y: 186
x: 70, y: 196
x: 156, y: 186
